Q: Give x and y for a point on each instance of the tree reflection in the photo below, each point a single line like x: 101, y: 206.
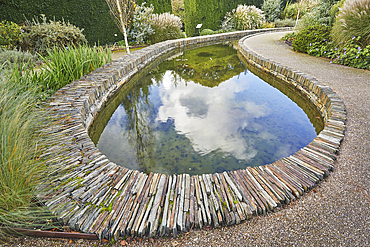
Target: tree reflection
x: 139, y: 132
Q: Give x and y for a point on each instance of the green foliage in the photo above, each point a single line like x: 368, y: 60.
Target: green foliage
x: 310, y: 35
x: 21, y: 90
x: 291, y: 11
x: 309, y: 19
x: 41, y: 36
x: 92, y: 16
x: 289, y: 36
x: 271, y: 9
x: 351, y: 54
x: 10, y: 57
x: 210, y: 13
x: 166, y: 26
x: 141, y: 24
x: 207, y: 32
x: 242, y: 18
x: 160, y: 6
x: 268, y: 25
x: 66, y: 65
x: 318, y: 13
x: 20, y: 172
x: 285, y: 23
x: 11, y: 35
x: 334, y: 11
x: 353, y: 20
x: 61, y: 67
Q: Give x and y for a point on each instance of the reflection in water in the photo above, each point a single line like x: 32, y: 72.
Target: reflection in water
x: 203, y: 112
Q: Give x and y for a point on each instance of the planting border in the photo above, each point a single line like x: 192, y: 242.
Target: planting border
x: 93, y: 195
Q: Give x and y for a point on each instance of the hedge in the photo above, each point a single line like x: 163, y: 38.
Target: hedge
x: 91, y: 15
x: 210, y: 13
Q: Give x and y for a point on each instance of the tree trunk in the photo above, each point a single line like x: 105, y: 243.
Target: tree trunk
x: 126, y: 42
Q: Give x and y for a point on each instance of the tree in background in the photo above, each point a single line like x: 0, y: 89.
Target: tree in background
x: 121, y: 11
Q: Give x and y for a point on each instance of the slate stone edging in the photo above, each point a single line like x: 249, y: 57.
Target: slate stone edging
x: 93, y: 195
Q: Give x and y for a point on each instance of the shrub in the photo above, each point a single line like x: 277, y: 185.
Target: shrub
x: 310, y: 35
x: 319, y: 13
x: 271, y: 9
x: 291, y: 9
x: 141, y: 24
x: 242, y: 18
x: 166, y: 26
x: 268, y: 25
x: 285, y: 23
x: 9, y: 58
x: 353, y: 20
x: 207, y: 32
x: 39, y: 37
x: 309, y: 19
x: 11, y: 35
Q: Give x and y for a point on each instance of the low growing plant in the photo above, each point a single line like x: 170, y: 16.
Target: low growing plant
x: 312, y: 34
x: 10, y: 57
x: 289, y: 36
x: 207, y: 32
x: 268, y: 25
x: 350, y: 54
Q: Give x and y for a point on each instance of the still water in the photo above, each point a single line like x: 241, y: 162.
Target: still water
x: 202, y: 111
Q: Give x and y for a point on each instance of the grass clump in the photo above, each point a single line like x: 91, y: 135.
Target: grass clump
x: 61, y: 67
x: 20, y: 171
x: 22, y: 88
x: 353, y: 20
x: 244, y: 17
x: 166, y: 26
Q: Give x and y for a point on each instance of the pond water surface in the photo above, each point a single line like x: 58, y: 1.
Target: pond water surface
x: 203, y: 111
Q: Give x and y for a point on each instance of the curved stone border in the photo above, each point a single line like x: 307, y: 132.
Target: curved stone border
x: 91, y: 194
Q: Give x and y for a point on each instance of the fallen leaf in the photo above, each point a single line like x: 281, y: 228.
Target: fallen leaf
x: 70, y: 241
x: 123, y: 243
x: 105, y: 240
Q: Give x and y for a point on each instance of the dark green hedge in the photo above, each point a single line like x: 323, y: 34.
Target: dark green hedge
x: 160, y: 6
x: 91, y: 15
x: 210, y: 13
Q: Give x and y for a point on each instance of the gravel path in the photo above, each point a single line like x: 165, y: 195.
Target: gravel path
x: 335, y: 213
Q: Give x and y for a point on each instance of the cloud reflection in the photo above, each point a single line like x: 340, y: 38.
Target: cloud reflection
x: 211, y: 118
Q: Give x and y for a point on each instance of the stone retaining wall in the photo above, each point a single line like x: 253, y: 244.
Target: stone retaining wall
x: 91, y: 194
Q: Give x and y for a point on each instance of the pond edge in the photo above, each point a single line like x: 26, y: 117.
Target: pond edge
x: 93, y: 195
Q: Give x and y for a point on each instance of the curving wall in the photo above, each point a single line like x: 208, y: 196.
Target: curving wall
x: 91, y: 194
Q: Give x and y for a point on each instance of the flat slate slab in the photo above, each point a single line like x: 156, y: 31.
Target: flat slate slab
x: 93, y: 195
